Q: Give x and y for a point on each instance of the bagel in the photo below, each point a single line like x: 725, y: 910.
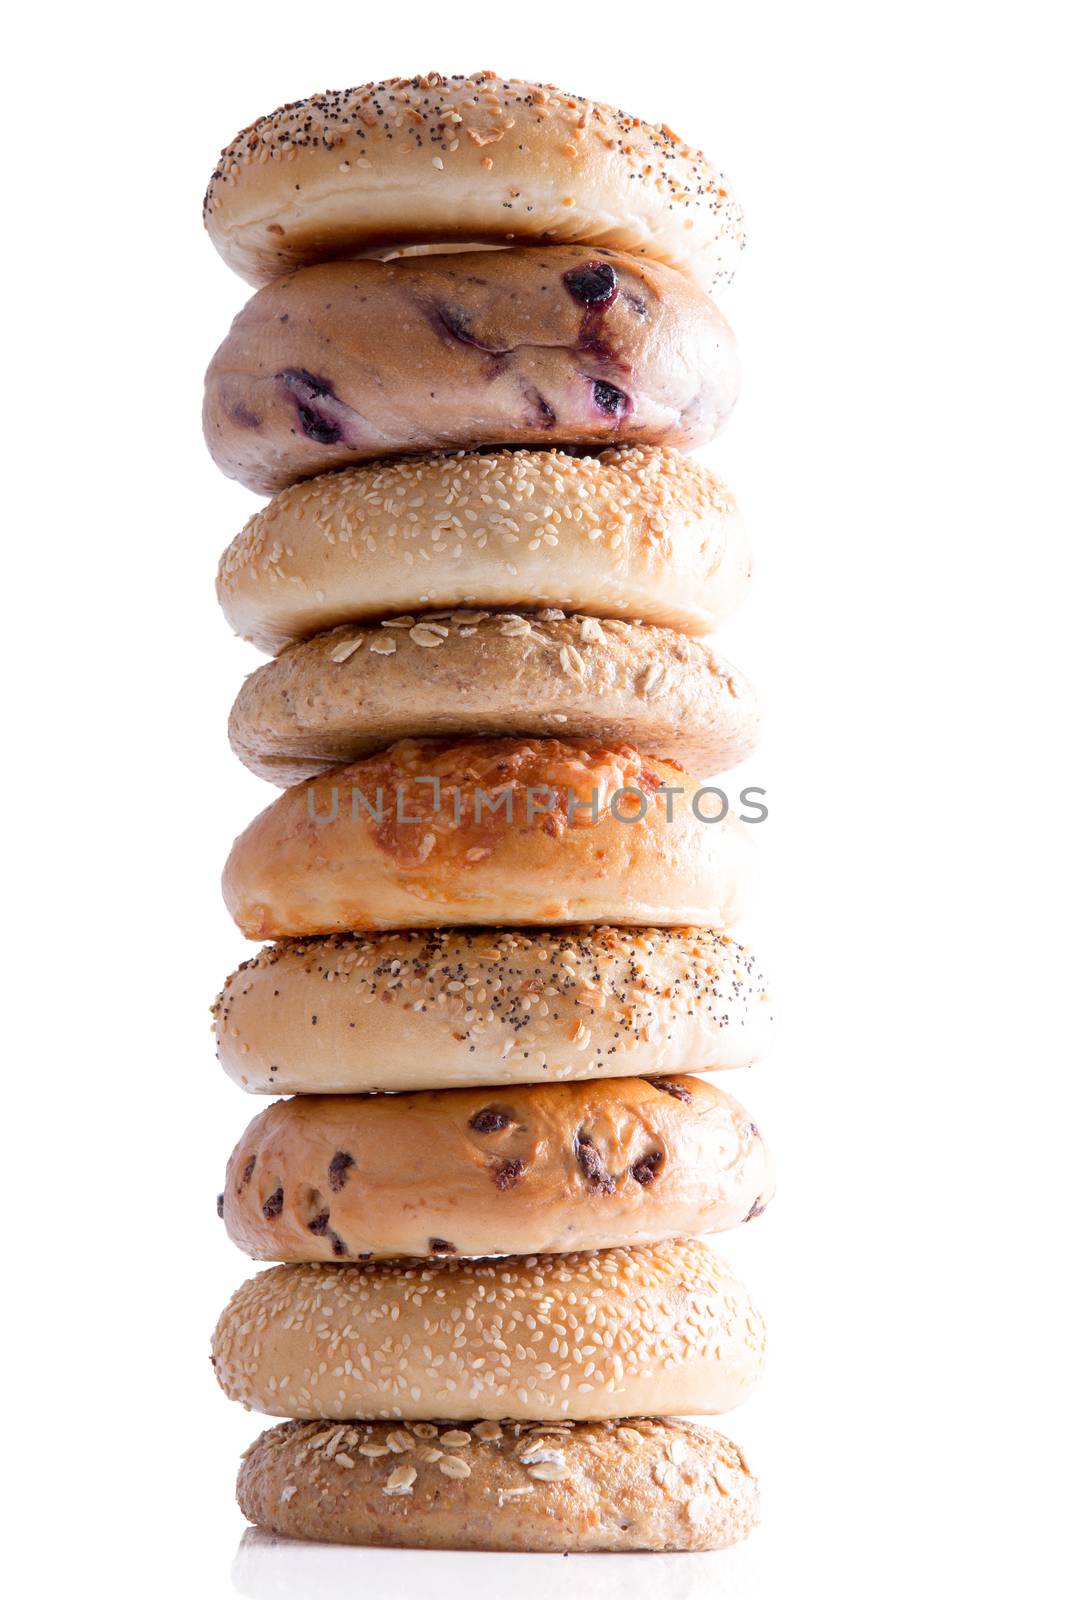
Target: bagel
x: 352, y: 1013
x: 432, y: 159
x: 652, y: 1330
x: 460, y: 675
x: 636, y: 532
x: 531, y: 1170
x: 652, y: 1483
x: 495, y: 832
x: 350, y: 361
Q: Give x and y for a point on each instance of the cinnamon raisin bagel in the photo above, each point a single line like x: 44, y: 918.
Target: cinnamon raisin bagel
x: 534, y: 1169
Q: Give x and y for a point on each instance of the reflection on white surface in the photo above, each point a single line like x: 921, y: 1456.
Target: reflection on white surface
x: 268, y: 1568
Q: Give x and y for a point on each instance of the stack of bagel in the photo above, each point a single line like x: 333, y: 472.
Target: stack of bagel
x: 497, y: 883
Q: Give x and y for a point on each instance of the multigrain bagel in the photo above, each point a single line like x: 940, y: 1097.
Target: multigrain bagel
x: 497, y: 832
x: 652, y: 1330
x: 443, y: 1007
x: 462, y: 675
x: 636, y: 531
x: 473, y: 1172
x: 354, y: 360
x: 652, y: 1483
x: 433, y: 159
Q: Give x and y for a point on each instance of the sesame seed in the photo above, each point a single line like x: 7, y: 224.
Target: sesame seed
x: 368, y: 512
x: 503, y: 1306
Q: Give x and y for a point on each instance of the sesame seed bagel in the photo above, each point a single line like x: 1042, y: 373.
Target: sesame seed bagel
x: 348, y: 692
x: 355, y: 1013
x: 636, y: 532
x: 647, y: 1484
x: 651, y: 1330
x: 531, y: 1170
x: 431, y: 159
x: 495, y: 832
x: 354, y: 360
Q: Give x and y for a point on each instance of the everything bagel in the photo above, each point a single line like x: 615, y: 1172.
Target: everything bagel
x: 429, y: 160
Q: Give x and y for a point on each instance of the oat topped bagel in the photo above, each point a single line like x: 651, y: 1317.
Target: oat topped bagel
x: 649, y: 1483
x: 356, y: 689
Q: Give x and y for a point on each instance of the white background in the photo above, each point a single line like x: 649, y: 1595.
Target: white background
x: 899, y: 454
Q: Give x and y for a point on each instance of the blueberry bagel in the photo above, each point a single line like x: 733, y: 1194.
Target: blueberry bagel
x: 531, y: 1170
x: 352, y: 1013
x: 494, y: 832
x: 432, y: 159
x: 649, y: 1330
x: 636, y: 532
x: 348, y: 692
x: 353, y: 360
x: 651, y: 1483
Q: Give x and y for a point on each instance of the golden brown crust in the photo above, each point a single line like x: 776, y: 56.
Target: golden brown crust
x: 462, y: 675
x: 433, y: 159
x: 527, y: 1170
x: 351, y: 361
x: 435, y: 1008
x: 650, y: 1483
x: 489, y: 833
x: 637, y: 532
x: 659, y: 1329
